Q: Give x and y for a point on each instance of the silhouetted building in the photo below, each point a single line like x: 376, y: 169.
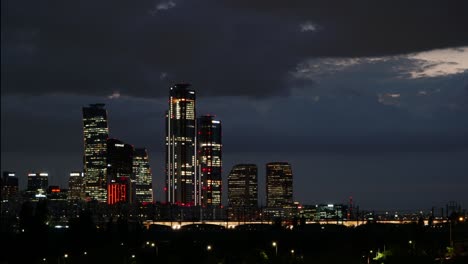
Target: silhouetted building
x: 55, y: 193
x: 210, y: 160
x: 37, y: 184
x: 76, y: 187
x: 120, y: 171
x: 9, y: 186
x: 95, y: 132
x: 181, y: 147
x: 279, y: 184
x: 144, y: 178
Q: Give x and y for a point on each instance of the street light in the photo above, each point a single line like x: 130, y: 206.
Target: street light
x: 275, y: 245
x: 208, y: 248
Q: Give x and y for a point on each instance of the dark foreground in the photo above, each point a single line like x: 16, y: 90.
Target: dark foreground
x: 123, y: 243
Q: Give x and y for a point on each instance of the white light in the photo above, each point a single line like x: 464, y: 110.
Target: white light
x: 215, y: 122
x: 11, y: 174
x: 330, y: 205
x: 119, y: 145
x: 191, y: 92
x: 32, y: 174
x: 43, y: 174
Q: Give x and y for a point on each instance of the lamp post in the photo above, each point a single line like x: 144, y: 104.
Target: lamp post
x: 275, y: 245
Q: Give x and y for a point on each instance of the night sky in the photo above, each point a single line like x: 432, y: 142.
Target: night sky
x: 365, y: 98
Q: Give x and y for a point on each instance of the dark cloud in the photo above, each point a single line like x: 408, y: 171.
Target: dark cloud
x: 223, y: 48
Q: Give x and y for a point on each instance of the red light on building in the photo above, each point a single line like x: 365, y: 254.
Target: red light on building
x: 116, y: 192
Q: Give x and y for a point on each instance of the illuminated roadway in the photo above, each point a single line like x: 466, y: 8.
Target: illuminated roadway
x: 233, y: 224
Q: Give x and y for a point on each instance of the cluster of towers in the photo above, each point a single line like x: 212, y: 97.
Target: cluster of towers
x: 114, y: 172
x: 117, y: 172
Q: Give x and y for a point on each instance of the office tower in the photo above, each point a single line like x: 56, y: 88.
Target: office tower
x: 144, y: 178
x: 279, y: 184
x: 209, y: 160
x: 76, y: 187
x: 95, y: 132
x: 181, y: 147
x: 120, y: 175
x: 38, y: 184
x: 242, y: 186
x: 9, y: 186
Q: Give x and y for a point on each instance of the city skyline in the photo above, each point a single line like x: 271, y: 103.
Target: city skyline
x: 366, y: 100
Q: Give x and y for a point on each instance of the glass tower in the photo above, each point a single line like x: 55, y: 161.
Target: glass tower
x: 144, y: 178
x: 95, y: 132
x: 279, y: 184
x: 242, y: 186
x: 181, y: 187
x: 210, y: 160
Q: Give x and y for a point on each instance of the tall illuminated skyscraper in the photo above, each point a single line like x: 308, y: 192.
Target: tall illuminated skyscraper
x: 243, y: 186
x: 95, y: 132
x: 181, y: 187
x: 144, y: 178
x: 279, y: 184
x: 120, y: 178
x: 209, y: 160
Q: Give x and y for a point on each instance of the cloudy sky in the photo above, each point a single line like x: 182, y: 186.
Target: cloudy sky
x: 365, y: 98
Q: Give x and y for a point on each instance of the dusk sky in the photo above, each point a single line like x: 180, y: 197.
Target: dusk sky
x: 364, y: 98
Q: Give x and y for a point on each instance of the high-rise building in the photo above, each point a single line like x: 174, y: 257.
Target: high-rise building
x: 37, y: 184
x: 95, y: 132
x: 242, y: 186
x: 9, y: 186
x: 76, y: 187
x: 181, y: 187
x: 279, y: 184
x: 209, y: 160
x: 144, y: 178
x: 120, y: 172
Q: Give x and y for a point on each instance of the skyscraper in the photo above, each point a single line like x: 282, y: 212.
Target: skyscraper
x: 9, y: 186
x: 181, y: 147
x: 242, y: 186
x: 279, y: 184
x: 76, y: 186
x: 144, y: 178
x: 37, y: 184
x: 209, y: 160
x: 95, y: 132
x: 120, y: 178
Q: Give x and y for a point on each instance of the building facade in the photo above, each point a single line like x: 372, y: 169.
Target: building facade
x: 76, y: 186
x: 9, y: 186
x: 243, y: 186
x: 279, y: 185
x: 38, y: 182
x: 95, y: 133
x: 181, y: 187
x: 209, y: 160
x: 120, y: 172
x: 144, y: 178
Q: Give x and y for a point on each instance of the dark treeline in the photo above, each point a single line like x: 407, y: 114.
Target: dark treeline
x: 123, y: 241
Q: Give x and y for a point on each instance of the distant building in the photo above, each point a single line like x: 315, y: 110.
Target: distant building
x: 243, y: 192
x: 37, y: 184
x: 120, y: 171
x: 95, y: 132
x: 279, y: 185
x: 55, y: 193
x: 180, y: 186
x: 144, y: 178
x: 9, y: 186
x: 210, y: 160
x: 76, y: 187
